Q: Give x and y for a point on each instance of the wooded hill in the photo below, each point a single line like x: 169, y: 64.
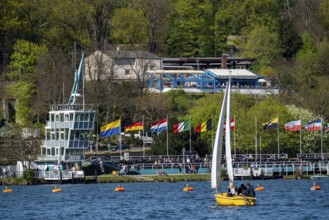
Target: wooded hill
x: 288, y: 38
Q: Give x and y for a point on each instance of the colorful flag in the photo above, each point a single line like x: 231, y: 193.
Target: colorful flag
x: 274, y: 123
x: 135, y: 127
x: 159, y: 126
x: 314, y: 125
x: 204, y: 126
x: 183, y: 126
x: 232, y: 125
x: 111, y: 129
x: 293, y: 125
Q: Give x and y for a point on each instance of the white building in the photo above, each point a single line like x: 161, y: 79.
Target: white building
x: 120, y: 65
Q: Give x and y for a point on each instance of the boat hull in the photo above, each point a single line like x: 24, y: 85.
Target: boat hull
x: 223, y: 200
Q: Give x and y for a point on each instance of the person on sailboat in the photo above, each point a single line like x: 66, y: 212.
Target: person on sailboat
x: 231, y: 191
x: 250, y: 190
x: 241, y: 189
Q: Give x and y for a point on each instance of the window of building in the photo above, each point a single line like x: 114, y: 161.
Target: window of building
x: 127, y: 71
x: 67, y: 118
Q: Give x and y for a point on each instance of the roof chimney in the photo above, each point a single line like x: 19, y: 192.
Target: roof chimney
x: 224, y: 61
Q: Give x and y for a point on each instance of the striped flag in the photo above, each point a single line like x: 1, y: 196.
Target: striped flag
x: 232, y: 125
x: 111, y: 129
x: 293, y: 125
x: 204, y: 126
x: 274, y: 123
x: 137, y: 126
x: 159, y: 126
x: 315, y: 125
x: 183, y: 126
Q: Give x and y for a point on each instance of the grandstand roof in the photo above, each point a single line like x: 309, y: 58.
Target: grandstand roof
x: 235, y: 73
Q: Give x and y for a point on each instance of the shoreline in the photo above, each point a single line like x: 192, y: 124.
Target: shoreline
x: 107, y: 178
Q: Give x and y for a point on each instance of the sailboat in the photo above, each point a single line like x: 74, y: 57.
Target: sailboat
x: 221, y: 197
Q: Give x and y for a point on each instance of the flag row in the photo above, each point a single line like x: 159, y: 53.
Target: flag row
x: 296, y: 125
x: 114, y: 128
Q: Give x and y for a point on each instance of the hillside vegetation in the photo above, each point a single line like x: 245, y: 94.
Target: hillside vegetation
x: 288, y: 38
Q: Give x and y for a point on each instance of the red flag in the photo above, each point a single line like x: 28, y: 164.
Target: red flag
x: 232, y: 125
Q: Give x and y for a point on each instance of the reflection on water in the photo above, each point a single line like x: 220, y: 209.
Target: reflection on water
x: 282, y: 199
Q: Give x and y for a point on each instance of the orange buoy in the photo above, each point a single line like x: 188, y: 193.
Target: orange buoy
x: 260, y: 188
x: 188, y: 188
x: 56, y: 190
x: 315, y: 187
x: 6, y: 190
x: 119, y: 189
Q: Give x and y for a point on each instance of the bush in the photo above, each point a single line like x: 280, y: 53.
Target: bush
x: 28, y: 175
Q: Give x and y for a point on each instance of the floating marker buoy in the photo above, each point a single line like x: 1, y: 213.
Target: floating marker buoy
x: 56, y: 190
x: 119, y: 189
x: 6, y: 190
x: 315, y: 188
x: 260, y: 188
x: 188, y: 188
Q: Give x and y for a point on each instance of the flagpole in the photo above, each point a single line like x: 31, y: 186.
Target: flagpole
x: 260, y: 149
x: 256, y: 156
x: 143, y: 138
x: 278, y: 139
x: 167, y: 137
x: 190, y: 136
x: 300, y: 139
x: 234, y: 138
x: 212, y: 131
x: 120, y: 140
x: 321, y: 140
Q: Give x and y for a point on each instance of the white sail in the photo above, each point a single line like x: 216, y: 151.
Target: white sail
x: 228, y: 155
x: 218, y: 147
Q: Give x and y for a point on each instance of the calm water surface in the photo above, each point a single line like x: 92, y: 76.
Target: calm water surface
x: 282, y: 199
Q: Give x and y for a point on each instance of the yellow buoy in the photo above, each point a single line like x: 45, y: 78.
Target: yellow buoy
x: 6, y: 190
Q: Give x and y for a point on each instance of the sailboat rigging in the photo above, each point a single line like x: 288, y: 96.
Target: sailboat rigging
x: 221, y: 197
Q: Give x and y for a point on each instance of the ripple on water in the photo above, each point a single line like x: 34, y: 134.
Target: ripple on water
x: 282, y: 199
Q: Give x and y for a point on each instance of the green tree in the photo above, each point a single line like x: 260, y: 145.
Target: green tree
x: 191, y: 29
x: 23, y: 62
x: 129, y: 27
x: 262, y: 45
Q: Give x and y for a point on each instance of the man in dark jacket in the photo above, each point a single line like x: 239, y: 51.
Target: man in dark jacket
x: 250, y: 190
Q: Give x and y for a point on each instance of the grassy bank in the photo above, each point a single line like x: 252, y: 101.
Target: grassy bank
x: 134, y: 179
x: 151, y: 178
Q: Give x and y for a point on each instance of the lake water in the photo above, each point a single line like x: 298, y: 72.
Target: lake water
x: 282, y: 199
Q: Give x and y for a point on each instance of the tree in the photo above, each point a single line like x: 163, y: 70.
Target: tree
x: 191, y: 30
x: 262, y: 45
x: 129, y: 27
x: 157, y: 13
x: 23, y: 62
